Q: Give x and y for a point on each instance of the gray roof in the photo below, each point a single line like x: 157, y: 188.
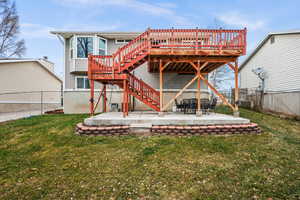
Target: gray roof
x: 109, y: 35
x: 263, y: 42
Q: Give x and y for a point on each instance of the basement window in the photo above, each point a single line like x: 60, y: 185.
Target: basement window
x: 82, y: 82
x: 272, y: 39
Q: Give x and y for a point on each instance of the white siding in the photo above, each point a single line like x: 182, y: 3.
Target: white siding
x: 281, y: 60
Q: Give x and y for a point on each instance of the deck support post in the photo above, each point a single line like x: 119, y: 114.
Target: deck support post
x: 125, y: 99
x: 161, y: 100
x: 199, y: 112
x: 179, y: 93
x: 92, y: 85
x: 236, y: 89
x: 104, y: 98
x: 216, y: 92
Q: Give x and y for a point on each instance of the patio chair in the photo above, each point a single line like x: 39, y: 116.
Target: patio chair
x: 204, y: 105
x: 213, y: 104
x: 190, y: 106
x: 180, y: 106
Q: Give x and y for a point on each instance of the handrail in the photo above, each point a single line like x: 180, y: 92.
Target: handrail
x: 197, y: 39
x: 145, y: 89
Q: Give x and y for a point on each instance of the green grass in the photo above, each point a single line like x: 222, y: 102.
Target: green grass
x: 41, y: 158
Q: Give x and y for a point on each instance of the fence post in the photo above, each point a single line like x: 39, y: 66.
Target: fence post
x: 41, y: 102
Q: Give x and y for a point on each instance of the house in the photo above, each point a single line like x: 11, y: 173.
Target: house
x: 78, y: 45
x: 277, y: 57
x: 23, y: 81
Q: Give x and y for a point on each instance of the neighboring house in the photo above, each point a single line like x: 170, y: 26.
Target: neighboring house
x: 77, y: 46
x: 21, y: 83
x: 279, y: 57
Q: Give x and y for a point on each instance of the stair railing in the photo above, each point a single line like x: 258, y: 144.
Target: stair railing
x: 137, y: 85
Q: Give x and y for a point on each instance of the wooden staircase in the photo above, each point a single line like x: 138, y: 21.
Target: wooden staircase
x: 117, y: 68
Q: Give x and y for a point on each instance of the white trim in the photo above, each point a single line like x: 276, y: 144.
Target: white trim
x: 71, y: 47
x: 98, y: 44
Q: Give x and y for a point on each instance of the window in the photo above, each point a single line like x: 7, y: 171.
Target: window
x: 82, y: 82
x: 102, y: 46
x: 71, y: 47
x: 84, y: 46
x: 272, y: 39
x: 119, y: 41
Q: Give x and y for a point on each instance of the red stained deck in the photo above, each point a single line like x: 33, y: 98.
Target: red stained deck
x: 192, y: 51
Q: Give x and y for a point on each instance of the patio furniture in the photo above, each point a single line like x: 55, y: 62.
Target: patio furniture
x: 213, y: 104
x: 190, y: 106
x: 204, y: 105
x: 179, y: 106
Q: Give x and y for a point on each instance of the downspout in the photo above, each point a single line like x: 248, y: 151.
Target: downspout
x: 62, y: 41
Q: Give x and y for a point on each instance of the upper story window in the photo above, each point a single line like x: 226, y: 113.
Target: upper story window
x: 102, y: 46
x: 84, y: 46
x: 120, y: 41
x: 71, y: 47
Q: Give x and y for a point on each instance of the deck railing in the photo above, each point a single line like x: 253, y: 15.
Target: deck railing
x: 198, y: 38
x: 173, y: 39
x: 146, y: 91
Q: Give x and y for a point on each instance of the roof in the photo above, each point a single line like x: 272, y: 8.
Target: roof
x: 109, y: 35
x: 38, y: 60
x: 261, y: 44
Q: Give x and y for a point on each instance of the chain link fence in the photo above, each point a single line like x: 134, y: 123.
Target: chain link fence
x: 37, y: 102
x: 248, y: 97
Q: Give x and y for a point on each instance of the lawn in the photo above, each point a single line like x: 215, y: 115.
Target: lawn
x: 41, y: 158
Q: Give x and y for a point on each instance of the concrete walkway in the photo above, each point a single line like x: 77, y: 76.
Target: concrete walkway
x: 18, y: 115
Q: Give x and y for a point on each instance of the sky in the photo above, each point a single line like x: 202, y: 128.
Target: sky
x: 39, y: 17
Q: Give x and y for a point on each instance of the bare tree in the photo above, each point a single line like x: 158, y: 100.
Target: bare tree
x: 9, y: 30
x: 222, y: 77
x: 84, y: 46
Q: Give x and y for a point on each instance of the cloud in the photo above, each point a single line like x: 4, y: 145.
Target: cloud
x: 29, y: 31
x: 236, y: 19
x: 163, y: 9
x: 34, y: 31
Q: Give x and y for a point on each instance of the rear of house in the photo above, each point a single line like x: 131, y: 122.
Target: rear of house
x: 278, y: 55
x: 24, y: 83
x: 77, y: 46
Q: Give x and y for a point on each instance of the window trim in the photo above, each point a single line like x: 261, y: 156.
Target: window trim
x: 85, y: 77
x: 71, y: 47
x: 96, y: 39
x: 98, y: 44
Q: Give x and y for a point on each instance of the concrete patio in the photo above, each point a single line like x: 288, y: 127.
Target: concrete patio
x: 147, y: 119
